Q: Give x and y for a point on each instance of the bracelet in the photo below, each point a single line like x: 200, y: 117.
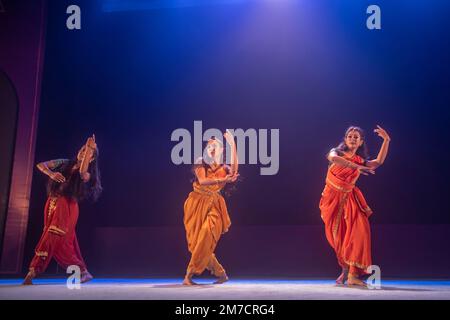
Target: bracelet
x: 352, y: 165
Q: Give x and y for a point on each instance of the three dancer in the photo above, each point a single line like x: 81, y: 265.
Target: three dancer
x: 70, y: 181
x: 205, y: 212
x: 343, y: 208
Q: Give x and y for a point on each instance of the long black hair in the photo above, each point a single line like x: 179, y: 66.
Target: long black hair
x: 362, y: 151
x: 74, y: 187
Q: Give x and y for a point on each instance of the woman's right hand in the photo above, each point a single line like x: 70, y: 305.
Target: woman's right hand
x: 230, y: 178
x: 365, y: 170
x: 57, y: 176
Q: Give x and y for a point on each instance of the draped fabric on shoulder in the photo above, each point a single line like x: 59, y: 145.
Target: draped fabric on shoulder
x: 345, y: 213
x: 58, y: 239
x: 205, y: 219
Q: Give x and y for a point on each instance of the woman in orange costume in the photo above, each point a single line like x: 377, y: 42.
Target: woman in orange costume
x: 69, y: 182
x: 205, y: 212
x: 343, y: 208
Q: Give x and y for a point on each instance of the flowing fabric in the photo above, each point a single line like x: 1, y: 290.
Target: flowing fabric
x: 345, y: 213
x: 58, y: 239
x: 205, y: 219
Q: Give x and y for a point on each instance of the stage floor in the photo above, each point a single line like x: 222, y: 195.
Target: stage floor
x: 171, y: 289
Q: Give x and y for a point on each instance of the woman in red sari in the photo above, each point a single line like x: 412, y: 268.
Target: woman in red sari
x: 70, y: 181
x: 343, y: 208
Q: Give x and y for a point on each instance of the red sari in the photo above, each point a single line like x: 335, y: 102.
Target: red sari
x: 346, y: 216
x: 58, y: 239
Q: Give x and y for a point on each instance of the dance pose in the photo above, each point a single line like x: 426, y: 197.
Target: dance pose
x: 69, y: 182
x: 343, y: 208
x: 205, y: 212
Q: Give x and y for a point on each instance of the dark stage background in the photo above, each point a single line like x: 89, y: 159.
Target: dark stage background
x: 309, y: 68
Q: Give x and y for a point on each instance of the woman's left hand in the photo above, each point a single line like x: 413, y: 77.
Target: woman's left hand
x: 85, y: 176
x: 382, y: 133
x: 91, y: 142
x: 229, y: 138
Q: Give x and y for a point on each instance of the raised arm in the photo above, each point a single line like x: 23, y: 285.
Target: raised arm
x: 48, y: 167
x: 333, y: 157
x: 382, y: 154
x: 88, y: 155
x: 234, y: 157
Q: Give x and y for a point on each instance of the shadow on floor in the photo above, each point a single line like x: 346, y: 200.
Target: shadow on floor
x: 179, y: 285
x: 386, y: 288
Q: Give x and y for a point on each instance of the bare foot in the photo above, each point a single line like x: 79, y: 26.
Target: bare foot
x: 188, y: 280
x: 28, y: 281
x: 223, y: 278
x: 354, y: 281
x: 86, y: 276
x: 343, y: 277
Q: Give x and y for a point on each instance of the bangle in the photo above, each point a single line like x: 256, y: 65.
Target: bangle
x: 352, y: 165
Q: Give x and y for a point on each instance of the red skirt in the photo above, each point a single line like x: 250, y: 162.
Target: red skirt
x: 58, y: 239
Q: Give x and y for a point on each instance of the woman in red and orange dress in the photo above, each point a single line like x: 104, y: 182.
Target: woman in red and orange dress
x: 343, y: 207
x: 69, y: 182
